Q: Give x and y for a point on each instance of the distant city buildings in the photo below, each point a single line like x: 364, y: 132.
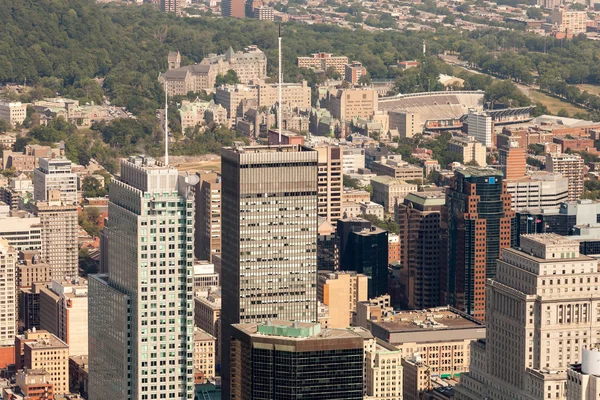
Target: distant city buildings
x: 348, y: 104
x: 174, y: 6
x: 389, y: 191
x: 55, y: 175
x: 469, y: 150
x: 538, y: 190
x: 207, y: 239
x: 249, y: 65
x: 354, y: 71
x: 571, y: 167
x: 322, y: 61
x: 8, y: 293
x: 340, y: 292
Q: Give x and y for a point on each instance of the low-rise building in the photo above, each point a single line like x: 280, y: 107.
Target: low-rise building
x: 348, y: 104
x: 416, y: 377
x: 355, y: 196
x: 322, y: 61
x: 372, y: 208
x: 207, y: 316
x: 468, y: 149
x: 13, y: 112
x: 389, y: 191
x: 353, y: 158
x: 35, y: 384
x: 440, y: 336
x: 540, y: 190
x: 394, y: 166
x: 354, y: 71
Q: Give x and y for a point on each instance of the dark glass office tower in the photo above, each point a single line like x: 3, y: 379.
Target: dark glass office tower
x: 364, y: 249
x: 269, y: 237
x: 293, y: 361
x: 479, y: 223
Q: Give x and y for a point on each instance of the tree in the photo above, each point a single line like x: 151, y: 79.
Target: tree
x: 230, y: 78
x: 90, y: 221
x: 364, y: 80
x: 534, y: 13
x: 4, y: 126
x: 449, y: 19
x: 563, y: 113
x: 92, y: 188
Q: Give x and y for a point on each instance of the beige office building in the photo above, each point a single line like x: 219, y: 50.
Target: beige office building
x: 571, y: 167
x: 583, y: 379
x: 389, y: 191
x: 440, y: 336
x: 540, y: 190
x: 8, y: 293
x: 340, y: 292
x: 14, y: 112
x: 204, y: 353
x: 468, y: 149
x: 30, y: 269
x: 407, y: 123
x: 294, y: 95
x: 64, y: 313
x: 174, y: 6
x: 396, y: 168
x: 543, y: 307
x: 383, y: 369
x: 207, y: 316
x: 569, y: 21
x: 322, y: 61
x: 416, y: 378
x: 45, y: 351
x: 348, y: 104
x: 55, y: 175
x: 208, y: 216
x: 353, y: 159
x: 59, y: 237
x: 329, y: 182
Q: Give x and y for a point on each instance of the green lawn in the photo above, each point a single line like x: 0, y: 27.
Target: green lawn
x: 554, y: 104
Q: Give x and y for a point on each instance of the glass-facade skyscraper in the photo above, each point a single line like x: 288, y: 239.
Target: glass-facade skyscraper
x: 269, y: 237
x: 141, y: 319
x: 480, y: 223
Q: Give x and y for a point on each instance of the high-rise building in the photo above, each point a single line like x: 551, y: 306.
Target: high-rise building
x: 233, y: 8
x: 55, y: 175
x: 353, y: 159
x: 543, y: 307
x: 22, y: 233
x: 59, y: 237
x: 329, y: 185
x: 364, y: 249
x: 421, y: 249
x: 208, y: 216
x: 327, y: 254
x: 340, y: 291
x: 64, y: 313
x: 571, y: 167
x: 295, y: 360
x: 513, y: 160
x: 264, y: 13
x: 571, y: 22
x: 141, y: 315
x: 480, y: 127
x: 269, y: 237
x: 173, y: 6
x: 207, y: 316
x: 35, y: 384
x: 8, y: 293
x: 539, y: 190
x: 480, y: 220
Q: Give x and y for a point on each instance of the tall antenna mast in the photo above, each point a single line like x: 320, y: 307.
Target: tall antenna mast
x: 279, y: 121
x: 166, y: 128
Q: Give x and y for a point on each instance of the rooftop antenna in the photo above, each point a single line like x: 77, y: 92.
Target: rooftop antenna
x: 279, y: 121
x: 166, y: 128
x: 424, y: 48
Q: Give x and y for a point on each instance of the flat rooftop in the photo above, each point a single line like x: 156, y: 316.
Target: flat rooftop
x: 200, y: 335
x: 479, y: 172
x: 296, y: 331
x: 431, y: 320
x: 283, y: 148
x: 550, y: 239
